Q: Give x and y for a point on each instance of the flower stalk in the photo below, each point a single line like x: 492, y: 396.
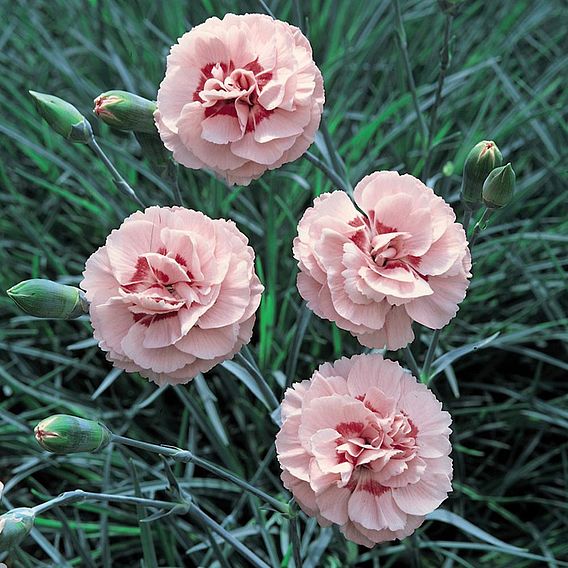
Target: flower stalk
x: 263, y: 386
x: 185, y: 456
x: 119, y: 181
x: 444, y: 65
x: 409, y: 75
x: 295, y: 540
x: 79, y: 496
x: 328, y: 172
x: 425, y: 374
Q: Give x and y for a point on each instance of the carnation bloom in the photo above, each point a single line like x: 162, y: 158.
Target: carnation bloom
x: 399, y: 257
x: 172, y: 293
x: 241, y: 95
x: 365, y: 446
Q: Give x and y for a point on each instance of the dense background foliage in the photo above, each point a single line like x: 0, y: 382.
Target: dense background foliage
x: 506, y: 81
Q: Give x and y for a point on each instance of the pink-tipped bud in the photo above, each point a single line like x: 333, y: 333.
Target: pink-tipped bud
x: 126, y: 111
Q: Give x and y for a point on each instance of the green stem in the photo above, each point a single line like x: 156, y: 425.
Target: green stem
x: 411, y: 361
x: 337, y: 162
x: 295, y: 539
x: 119, y: 181
x: 177, y: 188
x: 412, y: 85
x: 444, y: 64
x: 260, y: 381
x: 227, y: 536
x: 185, y: 456
x: 425, y: 375
x: 79, y: 495
x: 466, y: 218
x: 332, y: 176
x: 479, y: 225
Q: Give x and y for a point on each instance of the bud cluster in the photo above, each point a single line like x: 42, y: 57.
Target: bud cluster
x: 485, y: 180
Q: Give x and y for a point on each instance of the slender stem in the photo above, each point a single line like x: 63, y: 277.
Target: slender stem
x: 466, y: 218
x: 227, y: 536
x: 177, y: 188
x: 411, y: 361
x: 410, y: 77
x: 258, y: 473
x: 185, y: 456
x: 425, y: 375
x: 332, y: 176
x: 479, y: 225
x: 215, y: 547
x: 119, y: 181
x: 338, y: 164
x: 444, y: 64
x: 260, y: 381
x: 79, y: 495
x: 192, y: 509
x: 295, y: 539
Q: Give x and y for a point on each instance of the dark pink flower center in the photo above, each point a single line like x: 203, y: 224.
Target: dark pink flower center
x: 226, y: 90
x: 153, y: 291
x: 384, y: 244
x: 372, y: 444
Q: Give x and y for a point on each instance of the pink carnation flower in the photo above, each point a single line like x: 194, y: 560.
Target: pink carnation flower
x: 173, y: 293
x: 365, y: 446
x: 241, y: 95
x: 399, y: 257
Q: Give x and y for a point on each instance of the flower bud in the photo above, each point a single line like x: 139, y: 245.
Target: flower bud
x: 483, y: 158
x: 126, y: 111
x: 63, y: 117
x: 15, y: 525
x: 46, y: 299
x: 498, y: 187
x: 64, y: 434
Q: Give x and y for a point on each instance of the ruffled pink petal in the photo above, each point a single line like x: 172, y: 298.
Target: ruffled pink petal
x: 436, y: 311
x: 173, y: 293
x: 208, y: 343
x: 396, y: 333
x: 353, y: 448
x: 424, y: 496
x: 375, y: 508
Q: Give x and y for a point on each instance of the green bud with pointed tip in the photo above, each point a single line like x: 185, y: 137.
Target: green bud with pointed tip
x: 65, y: 434
x: 63, y: 117
x: 15, y: 525
x: 499, y: 187
x: 46, y: 299
x: 126, y: 111
x: 483, y: 158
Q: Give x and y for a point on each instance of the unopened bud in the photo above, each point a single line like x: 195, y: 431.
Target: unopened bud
x: 63, y: 117
x: 499, y: 187
x: 64, y: 434
x: 482, y: 159
x: 46, y: 299
x: 15, y: 525
x: 126, y: 111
